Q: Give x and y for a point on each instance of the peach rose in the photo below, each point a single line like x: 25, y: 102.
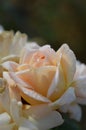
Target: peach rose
x: 43, y: 75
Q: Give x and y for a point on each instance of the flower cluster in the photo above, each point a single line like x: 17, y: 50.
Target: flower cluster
x: 37, y: 83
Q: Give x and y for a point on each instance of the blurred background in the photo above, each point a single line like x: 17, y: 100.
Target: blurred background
x: 51, y: 22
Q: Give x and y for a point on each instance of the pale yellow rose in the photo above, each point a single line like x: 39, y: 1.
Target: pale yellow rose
x: 14, y: 115
x: 79, y: 83
x: 11, y: 44
x: 43, y: 75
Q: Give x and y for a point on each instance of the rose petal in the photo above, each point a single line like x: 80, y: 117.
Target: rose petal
x: 16, y: 111
x: 7, y: 126
x: 17, y: 115
x: 44, y: 117
x: 1, y: 108
x: 13, y: 90
x: 42, y: 114
x: 27, y: 125
x: 18, y: 42
x: 39, y: 78
x: 22, y: 67
x: 32, y: 45
x: 49, y: 121
x: 73, y: 109
x: 57, y: 86
x: 27, y: 93
x: 33, y: 97
x: 66, y: 98
x: 16, y: 79
x: 38, y: 111
x: 81, y: 100
x: 49, y: 53
x: 27, y: 53
x: 5, y: 40
x: 68, y: 62
x: 10, y: 43
x: 10, y: 66
x: 11, y: 57
x: 80, y: 86
x: 76, y: 112
x: 1, y: 71
x: 25, y: 128
x: 5, y: 99
x: 4, y: 118
x: 80, y: 70
x: 8, y: 78
x: 80, y: 80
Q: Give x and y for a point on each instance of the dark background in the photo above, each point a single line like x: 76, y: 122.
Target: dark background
x: 49, y: 22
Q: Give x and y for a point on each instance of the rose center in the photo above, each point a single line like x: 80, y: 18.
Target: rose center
x: 38, y: 59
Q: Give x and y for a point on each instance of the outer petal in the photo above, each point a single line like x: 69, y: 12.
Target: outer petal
x: 5, y: 40
x: 38, y: 111
x: 73, y: 109
x: 13, y: 90
x: 4, y: 118
x: 32, y: 45
x: 44, y: 117
x: 66, y: 98
x: 68, y: 62
x: 23, y: 128
x: 10, y: 43
x: 49, y: 121
x: 81, y: 100
x: 27, y: 125
x: 7, y: 126
x: 76, y: 112
x: 80, y: 70
x: 5, y: 99
x: 80, y: 81
x: 11, y: 57
x: 12, y: 80
x: 10, y: 66
x: 16, y: 111
x: 18, y: 42
x: 80, y: 87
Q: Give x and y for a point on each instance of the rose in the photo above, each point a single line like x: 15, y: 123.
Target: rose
x: 11, y: 44
x: 79, y: 83
x: 43, y: 75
